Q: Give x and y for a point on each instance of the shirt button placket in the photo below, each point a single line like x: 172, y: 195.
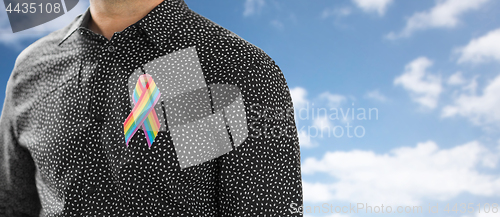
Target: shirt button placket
x: 90, y: 189
x: 90, y: 186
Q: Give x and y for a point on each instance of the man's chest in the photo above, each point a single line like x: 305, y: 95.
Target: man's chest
x: 83, y: 122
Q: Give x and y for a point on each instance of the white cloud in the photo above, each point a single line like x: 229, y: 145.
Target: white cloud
x: 333, y: 100
x: 456, y: 79
x: 480, y: 109
x: 311, y: 116
x: 17, y: 40
x: 317, y: 192
x: 472, y: 86
x: 332, y: 215
x: 337, y: 215
x: 379, y: 6
x: 253, y: 7
x: 337, y: 12
x: 299, y: 97
x: 424, y: 87
x: 305, y: 140
x: 277, y: 24
x: 376, y: 95
x: 482, y: 213
x: 445, y: 14
x: 322, y: 123
x: 481, y: 49
x: 300, y: 101
x: 404, y: 175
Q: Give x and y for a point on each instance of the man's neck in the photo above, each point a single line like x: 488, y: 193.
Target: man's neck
x: 110, y: 16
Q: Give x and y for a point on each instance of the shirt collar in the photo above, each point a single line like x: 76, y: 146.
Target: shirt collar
x: 158, y: 24
x: 81, y: 22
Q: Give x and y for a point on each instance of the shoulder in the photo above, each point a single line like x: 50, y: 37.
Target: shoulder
x: 40, y: 48
x: 225, y: 47
x: 212, y: 36
x: 228, y: 58
x: 33, y: 69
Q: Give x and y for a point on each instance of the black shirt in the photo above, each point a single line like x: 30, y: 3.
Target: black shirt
x: 226, y: 145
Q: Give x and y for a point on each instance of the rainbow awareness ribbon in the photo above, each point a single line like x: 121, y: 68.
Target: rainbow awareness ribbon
x: 146, y: 95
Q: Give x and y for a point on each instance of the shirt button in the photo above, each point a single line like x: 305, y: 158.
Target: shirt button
x: 99, y: 118
x: 111, y: 48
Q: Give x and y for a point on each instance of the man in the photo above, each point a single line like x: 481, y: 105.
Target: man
x: 145, y: 108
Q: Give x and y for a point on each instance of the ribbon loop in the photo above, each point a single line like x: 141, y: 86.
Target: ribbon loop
x: 146, y: 96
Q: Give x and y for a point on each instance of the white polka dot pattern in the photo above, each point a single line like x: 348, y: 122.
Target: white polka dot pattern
x: 228, y: 144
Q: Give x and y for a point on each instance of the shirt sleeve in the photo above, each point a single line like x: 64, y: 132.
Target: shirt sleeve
x: 18, y: 193
x: 262, y: 176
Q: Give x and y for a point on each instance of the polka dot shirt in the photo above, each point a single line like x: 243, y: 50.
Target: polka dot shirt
x: 227, y: 143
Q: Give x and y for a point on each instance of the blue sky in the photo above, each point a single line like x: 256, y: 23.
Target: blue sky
x: 431, y: 69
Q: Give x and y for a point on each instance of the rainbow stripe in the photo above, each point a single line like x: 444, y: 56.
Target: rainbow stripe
x: 145, y: 96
